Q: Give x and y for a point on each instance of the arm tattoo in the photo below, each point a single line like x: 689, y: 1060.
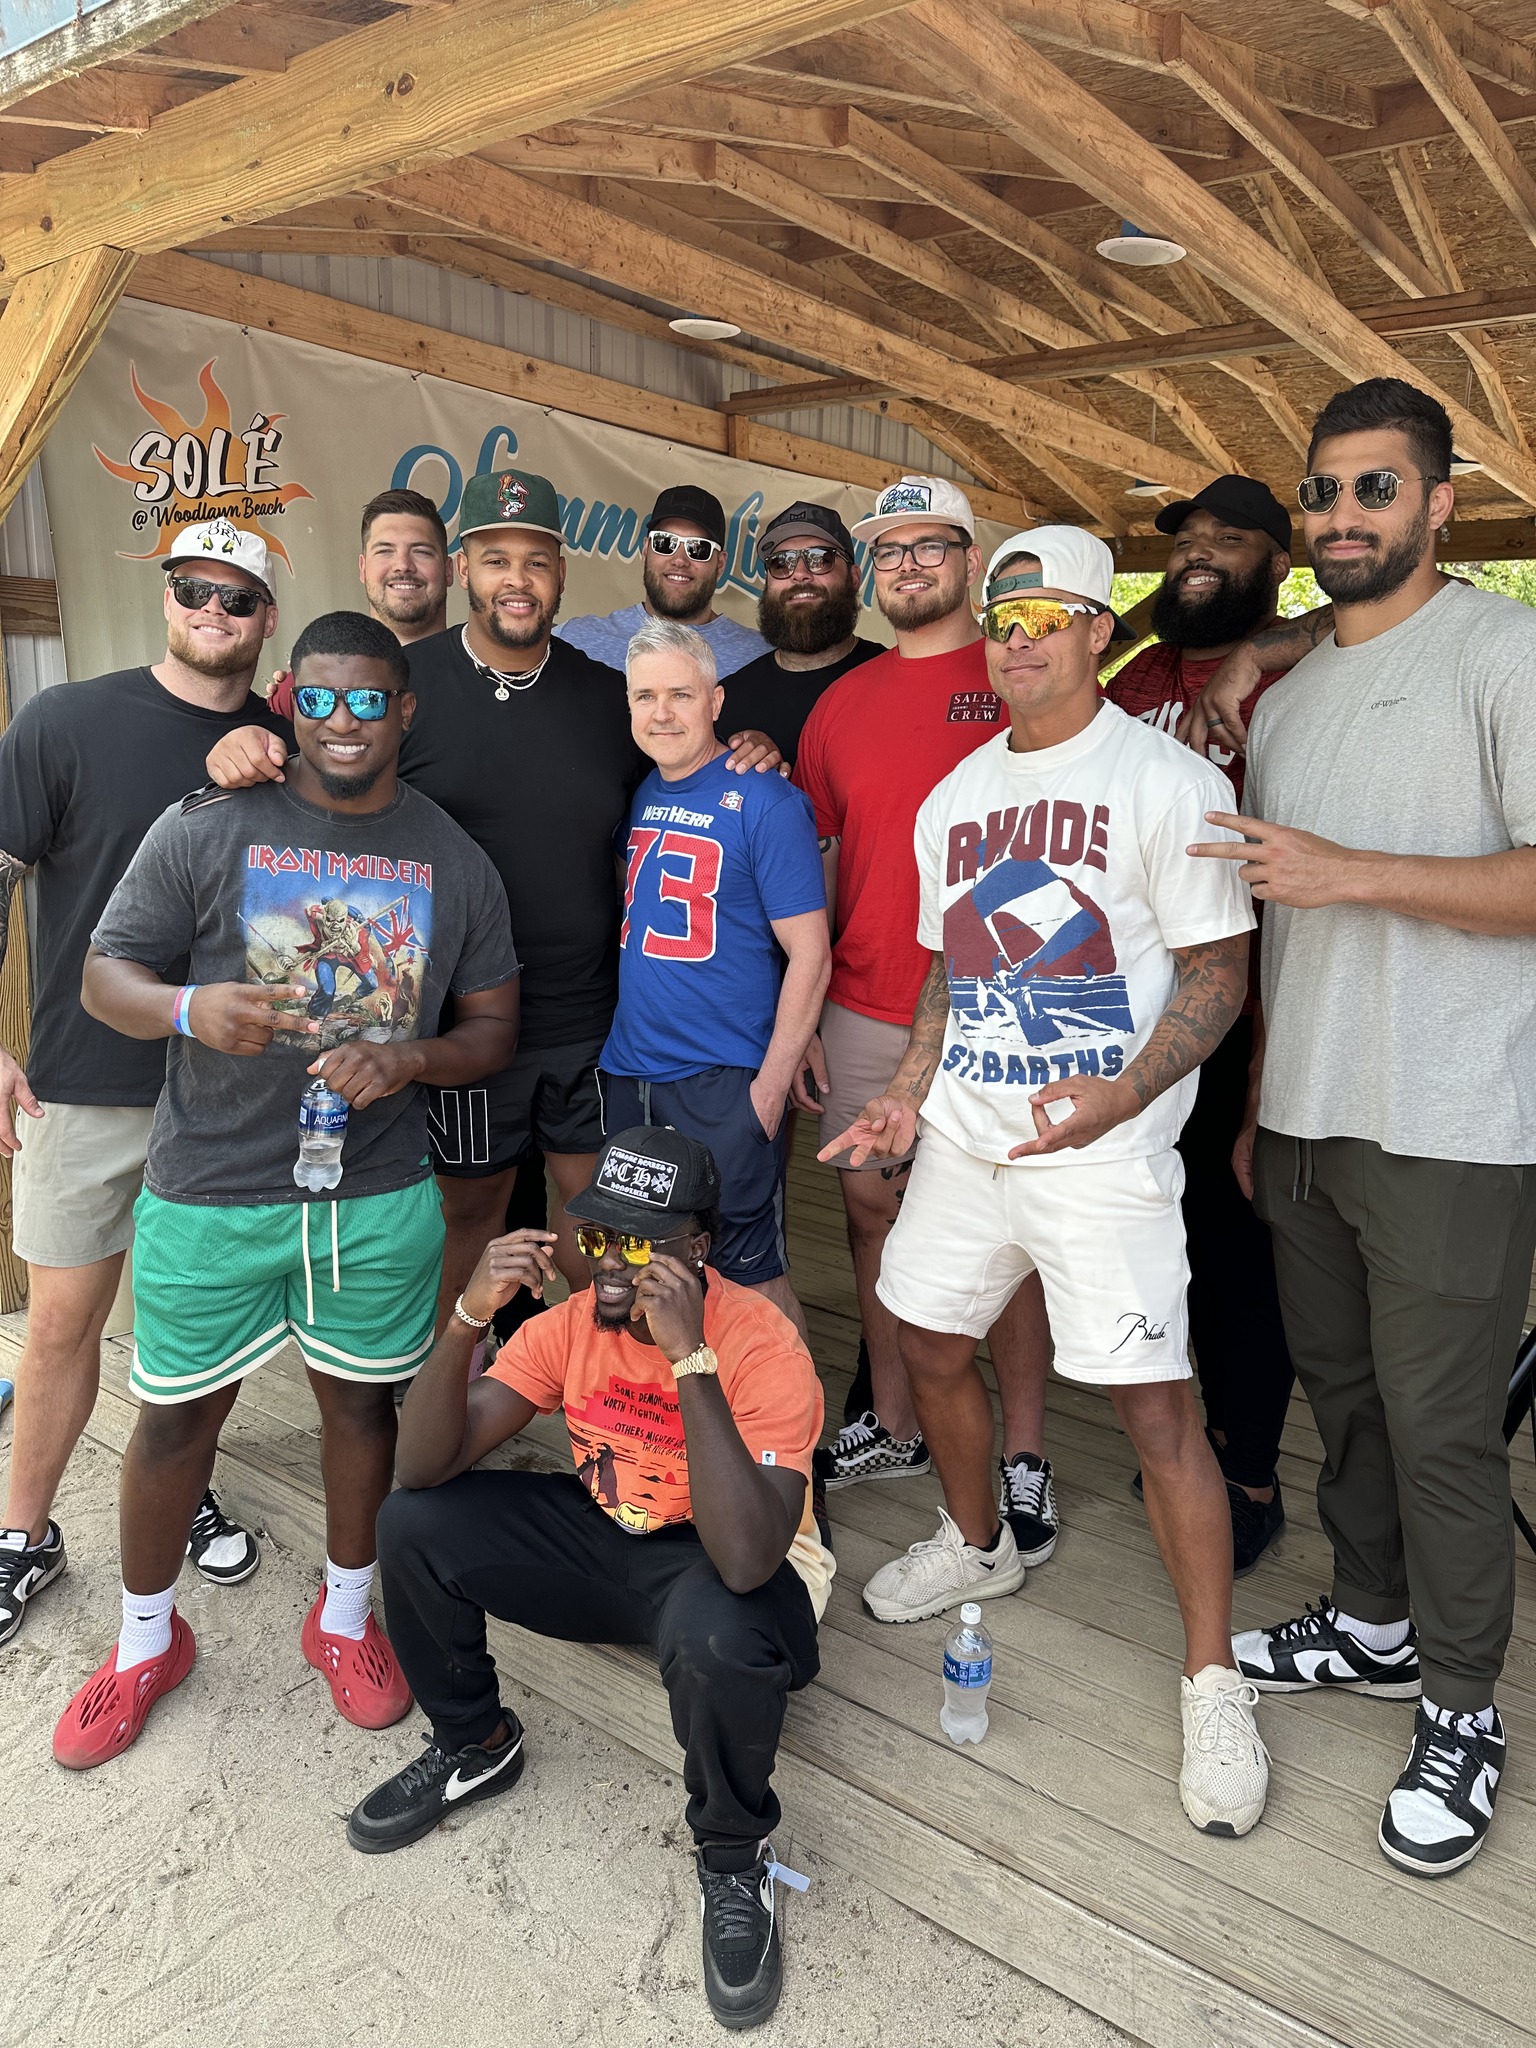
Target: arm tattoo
x: 1290, y: 639
x: 826, y: 845
x: 1206, y: 1000
x: 930, y: 1020
x: 11, y: 872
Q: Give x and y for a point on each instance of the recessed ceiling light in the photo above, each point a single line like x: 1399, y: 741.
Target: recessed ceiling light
x: 1135, y: 246
x: 697, y: 328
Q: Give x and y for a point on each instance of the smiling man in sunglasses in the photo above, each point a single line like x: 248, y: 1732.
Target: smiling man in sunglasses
x: 323, y: 922
x: 692, y: 1408
x: 84, y: 773
x: 682, y: 561
x: 1391, y: 821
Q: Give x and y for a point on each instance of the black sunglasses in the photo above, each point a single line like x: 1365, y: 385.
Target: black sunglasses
x: 783, y: 562
x: 316, y: 700
x: 1374, y: 490
x: 236, y: 600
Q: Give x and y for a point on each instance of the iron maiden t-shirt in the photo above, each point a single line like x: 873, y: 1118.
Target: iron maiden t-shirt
x: 1057, y: 886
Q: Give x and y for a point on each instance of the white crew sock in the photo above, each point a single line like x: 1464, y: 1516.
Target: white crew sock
x: 1379, y: 1636
x: 346, y: 1600
x: 146, y: 1627
x: 1482, y: 1719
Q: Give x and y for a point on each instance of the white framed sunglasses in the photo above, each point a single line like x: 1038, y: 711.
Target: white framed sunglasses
x: 661, y: 540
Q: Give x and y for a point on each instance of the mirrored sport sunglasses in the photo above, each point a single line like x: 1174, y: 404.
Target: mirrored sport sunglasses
x: 1038, y: 616
x: 663, y: 541
x: 1374, y: 490
x: 783, y: 562
x: 593, y: 1242
x: 237, y: 600
x: 314, y: 700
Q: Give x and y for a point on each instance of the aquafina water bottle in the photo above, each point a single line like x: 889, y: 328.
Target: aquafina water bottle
x: 967, y: 1677
x: 322, y: 1133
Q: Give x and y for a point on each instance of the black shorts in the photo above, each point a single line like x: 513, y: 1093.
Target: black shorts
x: 716, y: 1108
x: 548, y: 1098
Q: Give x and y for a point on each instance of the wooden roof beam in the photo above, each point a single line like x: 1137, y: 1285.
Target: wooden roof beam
x: 242, y: 40
x: 1006, y: 80
x: 52, y: 321
x: 1424, y: 45
x: 409, y: 89
x: 1133, y: 35
x: 500, y: 202
x: 1483, y: 49
x: 102, y: 102
x: 1224, y: 82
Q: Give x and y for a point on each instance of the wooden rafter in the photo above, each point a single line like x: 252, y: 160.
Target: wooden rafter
x: 52, y: 321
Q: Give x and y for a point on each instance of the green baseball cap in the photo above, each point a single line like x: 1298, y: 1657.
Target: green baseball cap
x: 509, y: 497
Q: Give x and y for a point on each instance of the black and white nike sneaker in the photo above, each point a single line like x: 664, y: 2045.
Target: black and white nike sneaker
x: 743, y: 1960
x: 865, y: 1449
x: 1439, y: 1811
x: 1026, y: 1501
x: 222, y: 1551
x: 1313, y: 1651
x: 439, y: 1782
x: 24, y: 1570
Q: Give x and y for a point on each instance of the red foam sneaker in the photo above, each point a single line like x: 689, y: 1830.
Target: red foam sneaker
x: 105, y: 1715
x: 366, y: 1682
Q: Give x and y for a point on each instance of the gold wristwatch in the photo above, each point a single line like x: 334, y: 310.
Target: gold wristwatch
x: 702, y: 1360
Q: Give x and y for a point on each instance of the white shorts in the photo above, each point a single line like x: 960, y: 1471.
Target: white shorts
x: 1107, y: 1241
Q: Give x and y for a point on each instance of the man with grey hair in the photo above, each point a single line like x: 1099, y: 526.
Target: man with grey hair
x: 710, y: 1033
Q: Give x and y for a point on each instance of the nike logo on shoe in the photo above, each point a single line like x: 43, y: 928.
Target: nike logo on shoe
x: 456, y: 1786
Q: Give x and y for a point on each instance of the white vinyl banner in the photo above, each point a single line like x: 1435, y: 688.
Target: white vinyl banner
x: 179, y: 418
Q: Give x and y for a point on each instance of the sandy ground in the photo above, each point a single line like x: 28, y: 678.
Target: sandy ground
x: 200, y: 1890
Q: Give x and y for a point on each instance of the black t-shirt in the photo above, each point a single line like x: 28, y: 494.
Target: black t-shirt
x: 85, y: 770
x: 541, y: 780
x: 762, y: 697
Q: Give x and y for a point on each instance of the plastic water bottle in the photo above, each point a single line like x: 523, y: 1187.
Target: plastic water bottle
x: 967, y: 1677
x: 322, y: 1133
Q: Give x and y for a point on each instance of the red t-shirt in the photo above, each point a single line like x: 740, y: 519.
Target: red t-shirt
x: 872, y: 749
x: 1160, y: 684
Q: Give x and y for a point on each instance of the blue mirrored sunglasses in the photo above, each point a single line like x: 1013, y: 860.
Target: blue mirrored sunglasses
x: 313, y: 700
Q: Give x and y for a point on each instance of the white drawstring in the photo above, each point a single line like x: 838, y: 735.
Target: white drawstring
x: 309, y: 1278
x: 335, y: 1254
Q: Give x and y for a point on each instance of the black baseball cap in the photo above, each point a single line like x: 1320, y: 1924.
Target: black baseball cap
x: 651, y: 1181
x: 804, y: 521
x: 1241, y: 499
x: 691, y: 502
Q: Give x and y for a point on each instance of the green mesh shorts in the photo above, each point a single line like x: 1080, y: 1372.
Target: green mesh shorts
x: 218, y: 1292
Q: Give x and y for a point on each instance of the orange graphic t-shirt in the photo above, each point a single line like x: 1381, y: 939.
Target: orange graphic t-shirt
x: 625, y: 1423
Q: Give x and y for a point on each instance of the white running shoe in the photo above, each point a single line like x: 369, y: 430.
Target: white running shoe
x: 941, y: 1573
x: 1226, y: 1767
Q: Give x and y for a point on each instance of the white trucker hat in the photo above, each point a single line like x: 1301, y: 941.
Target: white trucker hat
x: 217, y: 540
x: 917, y: 497
x: 1069, y: 559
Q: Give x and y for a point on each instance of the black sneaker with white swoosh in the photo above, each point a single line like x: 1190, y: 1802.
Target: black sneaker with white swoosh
x: 1439, y: 1812
x: 438, y: 1783
x: 24, y: 1571
x: 1313, y: 1653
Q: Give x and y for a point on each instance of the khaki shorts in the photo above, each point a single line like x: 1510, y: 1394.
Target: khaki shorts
x: 862, y: 1054
x: 75, y: 1181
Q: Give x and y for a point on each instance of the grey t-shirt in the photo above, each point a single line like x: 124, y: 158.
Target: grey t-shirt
x: 378, y: 916
x: 1380, y: 1026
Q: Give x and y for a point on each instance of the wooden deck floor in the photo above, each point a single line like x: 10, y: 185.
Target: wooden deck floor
x: 1059, y: 1844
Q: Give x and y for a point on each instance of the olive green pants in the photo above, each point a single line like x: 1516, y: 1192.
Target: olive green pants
x: 1403, y: 1284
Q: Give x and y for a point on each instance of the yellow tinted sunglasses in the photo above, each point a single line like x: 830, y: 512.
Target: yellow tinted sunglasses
x: 1038, y: 616
x: 593, y: 1243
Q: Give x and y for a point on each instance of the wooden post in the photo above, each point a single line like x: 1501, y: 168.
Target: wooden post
x: 52, y: 321
x: 15, y: 1023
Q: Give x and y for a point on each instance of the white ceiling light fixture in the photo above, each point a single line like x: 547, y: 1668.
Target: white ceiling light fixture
x: 1463, y: 465
x: 695, y: 327
x: 1142, y: 489
x: 1133, y: 245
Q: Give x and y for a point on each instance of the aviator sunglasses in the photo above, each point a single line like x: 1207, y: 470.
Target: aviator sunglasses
x: 236, y: 600
x: 593, y: 1243
x: 1036, y: 616
x: 315, y: 700
x: 1374, y: 490
x: 662, y: 541
x: 783, y: 562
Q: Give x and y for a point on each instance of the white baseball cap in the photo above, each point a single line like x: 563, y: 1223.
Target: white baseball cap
x: 1069, y: 559
x: 217, y: 540
x: 918, y: 497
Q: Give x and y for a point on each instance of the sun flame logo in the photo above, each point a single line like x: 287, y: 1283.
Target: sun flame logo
x: 184, y: 475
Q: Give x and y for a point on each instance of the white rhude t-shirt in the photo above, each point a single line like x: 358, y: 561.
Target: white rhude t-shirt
x: 1057, y: 885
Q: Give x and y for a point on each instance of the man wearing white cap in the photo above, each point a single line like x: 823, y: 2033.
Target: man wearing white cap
x: 1081, y: 969
x: 84, y: 773
x: 872, y: 748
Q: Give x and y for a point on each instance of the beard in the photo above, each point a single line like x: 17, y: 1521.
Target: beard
x: 537, y: 629
x: 808, y: 628
x: 666, y: 603
x: 909, y: 610
x: 1233, y: 610
x: 339, y: 788
x: 407, y: 607
x: 1377, y: 575
x: 613, y: 1320
x: 232, y: 659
